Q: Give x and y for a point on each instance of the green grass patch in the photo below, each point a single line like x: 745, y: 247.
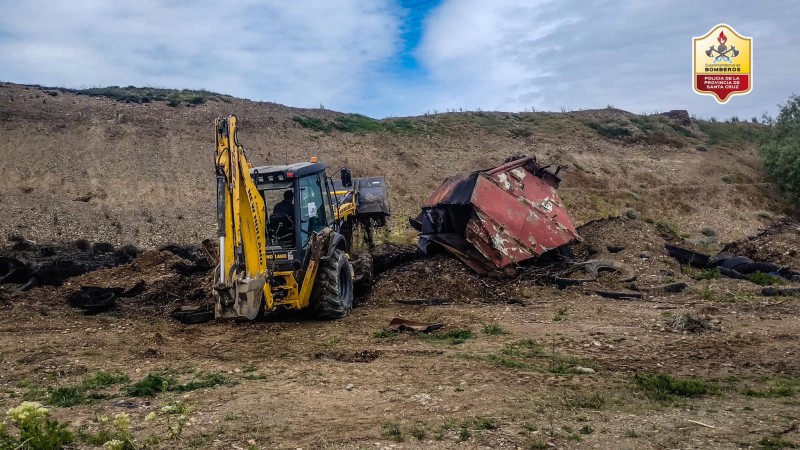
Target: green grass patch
x: 665, y: 228
x: 764, y: 279
x: 527, y: 348
x: 156, y: 382
x: 383, y: 333
x: 720, y: 133
x: 418, y: 431
x: 202, y: 381
x: 313, y: 123
x: 587, y: 401
x: 35, y: 394
x: 393, y: 431
x: 774, y: 387
x: 454, y: 336
x: 493, y: 329
x: 775, y: 443
x: 663, y: 387
x: 358, y: 124
x: 102, y: 379
x: 561, y: 315
x: 132, y: 94
x: 66, y: 396
x: 97, y: 439
x: 152, y: 384
x: 481, y: 423
x: 707, y: 274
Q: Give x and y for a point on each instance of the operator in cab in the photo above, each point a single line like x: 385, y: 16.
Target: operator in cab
x: 285, y: 206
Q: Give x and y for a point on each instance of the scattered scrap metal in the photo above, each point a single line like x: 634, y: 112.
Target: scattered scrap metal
x: 495, y: 218
x: 397, y: 325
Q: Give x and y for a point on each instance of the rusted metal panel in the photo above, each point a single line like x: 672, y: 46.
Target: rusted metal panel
x: 494, y: 218
x: 455, y: 190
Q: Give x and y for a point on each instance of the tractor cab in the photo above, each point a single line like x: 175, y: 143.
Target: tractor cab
x: 298, y: 203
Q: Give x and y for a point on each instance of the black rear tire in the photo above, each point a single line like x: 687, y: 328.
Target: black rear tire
x: 332, y: 296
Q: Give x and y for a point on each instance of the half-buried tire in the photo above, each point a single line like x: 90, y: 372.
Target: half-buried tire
x: 332, y: 295
x: 193, y: 314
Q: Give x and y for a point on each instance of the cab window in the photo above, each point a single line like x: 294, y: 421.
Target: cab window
x: 312, y: 209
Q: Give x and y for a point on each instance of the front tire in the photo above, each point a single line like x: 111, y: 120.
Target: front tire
x: 333, y: 290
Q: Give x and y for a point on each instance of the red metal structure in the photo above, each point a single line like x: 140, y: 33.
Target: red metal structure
x: 492, y: 219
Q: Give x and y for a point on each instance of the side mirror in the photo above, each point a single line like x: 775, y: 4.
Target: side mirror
x: 347, y: 178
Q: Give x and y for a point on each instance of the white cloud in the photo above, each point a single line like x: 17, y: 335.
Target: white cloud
x: 297, y: 53
x: 499, y: 54
x: 511, y: 55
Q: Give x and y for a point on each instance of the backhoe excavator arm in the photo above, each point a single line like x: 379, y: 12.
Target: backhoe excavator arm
x: 242, y: 272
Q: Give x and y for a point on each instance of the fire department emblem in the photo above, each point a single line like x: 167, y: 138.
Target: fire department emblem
x: 722, y: 63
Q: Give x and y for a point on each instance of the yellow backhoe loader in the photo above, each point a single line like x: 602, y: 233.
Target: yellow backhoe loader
x: 285, y: 232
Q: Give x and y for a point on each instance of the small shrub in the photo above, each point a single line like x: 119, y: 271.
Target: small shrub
x: 772, y: 392
x: 538, y: 444
x: 775, y: 443
x: 508, y: 362
x: 204, y: 380
x: 418, y: 431
x: 66, y: 397
x: 593, y: 401
x: 483, y: 423
x: 611, y: 129
x: 665, y: 387
x: 493, y: 329
x: 708, y: 232
x: 383, y: 333
x: 154, y: 383
x: 393, y: 432
x: 735, y: 178
x: 666, y: 229
x: 102, y: 379
x: 197, y: 100
x: 312, y: 123
x: 781, y: 151
x: 708, y: 274
x: 561, y: 315
x: 632, y: 214
x: 527, y: 348
x: 455, y: 336
x: 36, y: 429
x: 634, y: 196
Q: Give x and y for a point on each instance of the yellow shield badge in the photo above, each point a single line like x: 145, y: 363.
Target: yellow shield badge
x: 722, y: 63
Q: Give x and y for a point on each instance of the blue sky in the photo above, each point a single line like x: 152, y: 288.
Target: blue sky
x: 403, y: 57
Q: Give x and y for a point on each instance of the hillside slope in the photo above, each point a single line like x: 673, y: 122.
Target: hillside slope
x: 74, y: 166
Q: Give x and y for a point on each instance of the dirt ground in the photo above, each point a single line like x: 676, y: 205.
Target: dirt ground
x: 539, y: 367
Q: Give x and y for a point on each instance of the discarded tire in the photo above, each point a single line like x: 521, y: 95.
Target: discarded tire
x: 687, y: 256
x: 757, y: 267
x: 736, y: 261
x: 594, y: 266
x: 14, y: 271
x: 93, y: 300
x: 192, y: 315
x: 730, y: 273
